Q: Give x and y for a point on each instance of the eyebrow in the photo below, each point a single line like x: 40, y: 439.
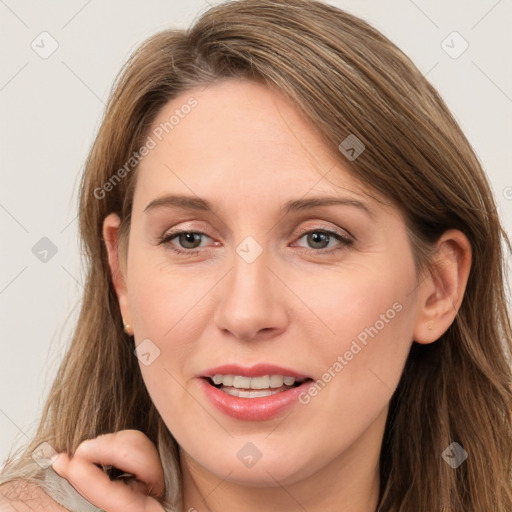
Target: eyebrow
x: 293, y: 205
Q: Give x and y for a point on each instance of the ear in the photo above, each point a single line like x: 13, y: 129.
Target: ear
x: 441, y: 293
x: 110, y: 232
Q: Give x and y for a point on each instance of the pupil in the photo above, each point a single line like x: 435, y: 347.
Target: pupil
x: 191, y: 238
x: 315, y: 236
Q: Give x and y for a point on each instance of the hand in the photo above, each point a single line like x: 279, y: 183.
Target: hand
x: 128, y: 450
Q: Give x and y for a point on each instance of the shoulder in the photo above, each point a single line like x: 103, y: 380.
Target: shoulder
x: 21, y: 496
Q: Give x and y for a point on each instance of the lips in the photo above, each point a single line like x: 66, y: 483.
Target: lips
x: 239, y: 392
x: 253, y: 409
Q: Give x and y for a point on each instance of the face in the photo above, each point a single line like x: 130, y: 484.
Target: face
x: 265, y: 282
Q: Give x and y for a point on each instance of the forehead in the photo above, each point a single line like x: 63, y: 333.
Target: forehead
x: 239, y: 139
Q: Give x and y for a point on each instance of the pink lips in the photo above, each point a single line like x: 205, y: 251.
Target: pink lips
x: 252, y: 409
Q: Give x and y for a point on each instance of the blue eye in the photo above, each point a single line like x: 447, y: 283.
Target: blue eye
x: 314, y: 236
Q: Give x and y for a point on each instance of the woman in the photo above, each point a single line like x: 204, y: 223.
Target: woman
x: 255, y: 369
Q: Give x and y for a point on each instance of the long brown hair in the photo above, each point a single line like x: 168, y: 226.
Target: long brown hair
x: 347, y: 78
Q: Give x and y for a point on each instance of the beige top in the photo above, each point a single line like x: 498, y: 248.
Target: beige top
x: 67, y: 496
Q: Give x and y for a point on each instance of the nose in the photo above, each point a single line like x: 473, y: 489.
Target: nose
x: 252, y: 301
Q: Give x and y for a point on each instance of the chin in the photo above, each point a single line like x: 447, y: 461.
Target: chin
x: 271, y: 470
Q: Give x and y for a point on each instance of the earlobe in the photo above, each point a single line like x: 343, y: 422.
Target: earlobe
x: 110, y: 233
x: 442, y: 292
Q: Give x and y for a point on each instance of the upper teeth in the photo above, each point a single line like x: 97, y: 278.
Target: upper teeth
x: 265, y: 382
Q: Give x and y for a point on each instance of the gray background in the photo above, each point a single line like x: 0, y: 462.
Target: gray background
x: 50, y: 110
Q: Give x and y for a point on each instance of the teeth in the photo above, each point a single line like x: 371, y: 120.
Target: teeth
x: 265, y: 382
x: 250, y: 394
x: 241, y: 382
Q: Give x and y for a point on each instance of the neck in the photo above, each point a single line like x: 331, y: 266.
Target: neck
x: 348, y: 483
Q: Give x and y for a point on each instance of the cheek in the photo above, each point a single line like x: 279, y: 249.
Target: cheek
x: 358, y: 367
x: 368, y: 314
x: 351, y: 303
x: 167, y: 306
x: 165, y: 299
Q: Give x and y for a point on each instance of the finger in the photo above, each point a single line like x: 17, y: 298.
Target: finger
x: 61, y: 463
x: 95, y: 486
x: 130, y: 451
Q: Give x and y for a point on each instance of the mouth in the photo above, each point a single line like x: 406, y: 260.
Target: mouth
x: 255, y: 387
x: 253, y: 393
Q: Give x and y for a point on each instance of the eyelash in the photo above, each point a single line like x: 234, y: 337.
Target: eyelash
x: 345, y: 241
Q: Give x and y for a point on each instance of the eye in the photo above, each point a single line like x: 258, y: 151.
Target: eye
x: 188, y: 240
x: 319, y: 240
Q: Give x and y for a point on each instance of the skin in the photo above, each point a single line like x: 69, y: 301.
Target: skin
x: 248, y: 150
